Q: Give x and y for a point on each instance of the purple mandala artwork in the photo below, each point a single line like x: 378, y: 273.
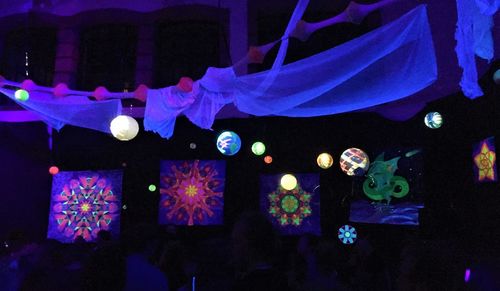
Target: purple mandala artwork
x: 83, y: 203
x: 192, y: 192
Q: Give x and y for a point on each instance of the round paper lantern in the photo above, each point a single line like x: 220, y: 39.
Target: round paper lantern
x: 192, y: 146
x: 258, y: 148
x: 124, y: 127
x: 256, y: 55
x: 347, y: 234
x: 185, y: 84
x: 61, y: 90
x: 268, y: 159
x: 354, y: 162
x: 496, y: 77
x: 100, y: 93
x: 53, y: 170
x: 22, y: 95
x: 228, y: 143
x: 325, y: 160
x: 433, y: 120
x: 141, y: 93
x: 28, y: 85
x: 288, y: 182
x: 152, y: 188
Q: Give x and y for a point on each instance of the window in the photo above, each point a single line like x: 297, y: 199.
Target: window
x: 185, y: 48
x: 107, y: 57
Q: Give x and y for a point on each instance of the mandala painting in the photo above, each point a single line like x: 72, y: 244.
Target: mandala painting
x: 83, y: 203
x: 485, y: 167
x: 192, y: 192
x: 292, y: 212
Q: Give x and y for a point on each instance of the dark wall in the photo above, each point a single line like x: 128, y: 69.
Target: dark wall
x: 25, y: 181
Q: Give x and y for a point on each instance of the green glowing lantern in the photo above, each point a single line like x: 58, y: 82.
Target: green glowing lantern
x: 258, y: 148
x: 22, y: 95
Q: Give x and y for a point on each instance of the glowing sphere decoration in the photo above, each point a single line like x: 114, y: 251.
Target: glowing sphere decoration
x: 347, y: 234
x: 124, y: 127
x: 258, y: 148
x: 268, y: 159
x: 53, y: 170
x: 22, y: 95
x: 152, y: 188
x: 496, y: 77
x: 325, y: 160
x: 228, y: 143
x: 288, y: 182
x: 433, y: 120
x: 354, y: 162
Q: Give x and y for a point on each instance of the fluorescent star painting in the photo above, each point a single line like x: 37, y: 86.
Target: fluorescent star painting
x: 485, y: 169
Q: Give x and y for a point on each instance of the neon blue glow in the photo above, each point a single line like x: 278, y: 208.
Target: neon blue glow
x: 347, y: 234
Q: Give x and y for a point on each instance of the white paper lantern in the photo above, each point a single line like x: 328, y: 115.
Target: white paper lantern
x: 288, y: 182
x: 124, y: 127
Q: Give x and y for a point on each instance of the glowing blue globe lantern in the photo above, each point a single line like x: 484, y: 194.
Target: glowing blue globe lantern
x: 496, y: 77
x: 228, y: 143
x: 347, y: 234
x: 433, y: 120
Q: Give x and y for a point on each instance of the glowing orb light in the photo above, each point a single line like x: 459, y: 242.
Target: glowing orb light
x: 22, y: 95
x: 496, y: 77
x: 268, y: 159
x: 288, y: 182
x: 192, y: 146
x: 325, y: 160
x: 124, y: 127
x: 433, y: 120
x: 53, y: 170
x: 258, y: 148
x: 354, y: 162
x: 347, y: 234
x: 228, y: 143
x: 152, y: 188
